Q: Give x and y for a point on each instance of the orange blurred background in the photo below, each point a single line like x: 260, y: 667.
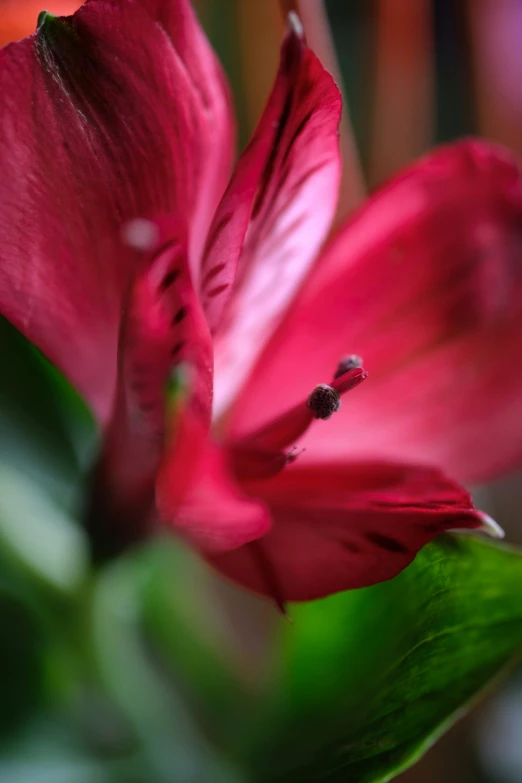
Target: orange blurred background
x: 18, y: 17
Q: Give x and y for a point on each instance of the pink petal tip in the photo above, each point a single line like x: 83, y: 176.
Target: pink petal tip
x: 490, y: 527
x: 295, y: 25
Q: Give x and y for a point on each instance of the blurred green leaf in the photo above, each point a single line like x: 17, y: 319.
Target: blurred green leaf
x: 46, y: 430
x: 52, y: 751
x: 37, y: 533
x: 187, y: 619
x: 47, y: 440
x: 21, y: 661
x: 58, y: 769
x: 148, y: 696
x: 37, y: 665
x: 371, y: 678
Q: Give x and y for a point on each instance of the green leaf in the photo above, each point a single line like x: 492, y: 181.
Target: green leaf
x: 48, y: 439
x: 149, y: 697
x: 37, y: 664
x: 49, y: 750
x: 47, y: 431
x: 38, y: 534
x: 371, y: 678
x: 21, y: 664
x: 186, y: 615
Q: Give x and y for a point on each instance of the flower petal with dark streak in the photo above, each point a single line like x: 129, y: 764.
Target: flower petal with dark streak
x: 197, y: 496
x: 163, y: 329
x: 274, y: 216
x: 343, y: 526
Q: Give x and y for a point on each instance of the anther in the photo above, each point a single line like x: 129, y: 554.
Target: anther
x: 323, y: 401
x: 352, y: 362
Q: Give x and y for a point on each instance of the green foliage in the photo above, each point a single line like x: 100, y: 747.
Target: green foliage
x: 84, y: 696
x: 369, y: 679
x: 35, y: 530
x: 47, y: 432
x: 145, y: 692
x: 47, y: 439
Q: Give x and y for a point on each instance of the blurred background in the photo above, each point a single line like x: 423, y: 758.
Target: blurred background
x: 415, y: 73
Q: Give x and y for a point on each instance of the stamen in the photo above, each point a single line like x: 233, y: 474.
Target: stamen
x: 294, y: 454
x: 349, y: 380
x: 351, y: 362
x: 324, y: 401
x: 291, y: 425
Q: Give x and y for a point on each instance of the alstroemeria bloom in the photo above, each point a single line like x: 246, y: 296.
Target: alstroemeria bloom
x: 129, y: 249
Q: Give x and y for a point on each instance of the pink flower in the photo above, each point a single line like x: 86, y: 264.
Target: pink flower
x: 129, y: 253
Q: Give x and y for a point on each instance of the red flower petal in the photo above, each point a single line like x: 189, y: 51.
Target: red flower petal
x: 213, y: 122
x: 163, y: 328
x: 425, y: 284
x: 338, y: 527
x: 104, y: 119
x: 284, y: 191
x: 197, y: 496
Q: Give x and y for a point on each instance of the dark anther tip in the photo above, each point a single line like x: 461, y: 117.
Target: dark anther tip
x: 324, y: 401
x: 352, y: 362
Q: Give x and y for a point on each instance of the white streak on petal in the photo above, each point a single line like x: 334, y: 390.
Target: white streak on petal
x: 140, y: 234
x: 490, y: 527
x: 295, y: 25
